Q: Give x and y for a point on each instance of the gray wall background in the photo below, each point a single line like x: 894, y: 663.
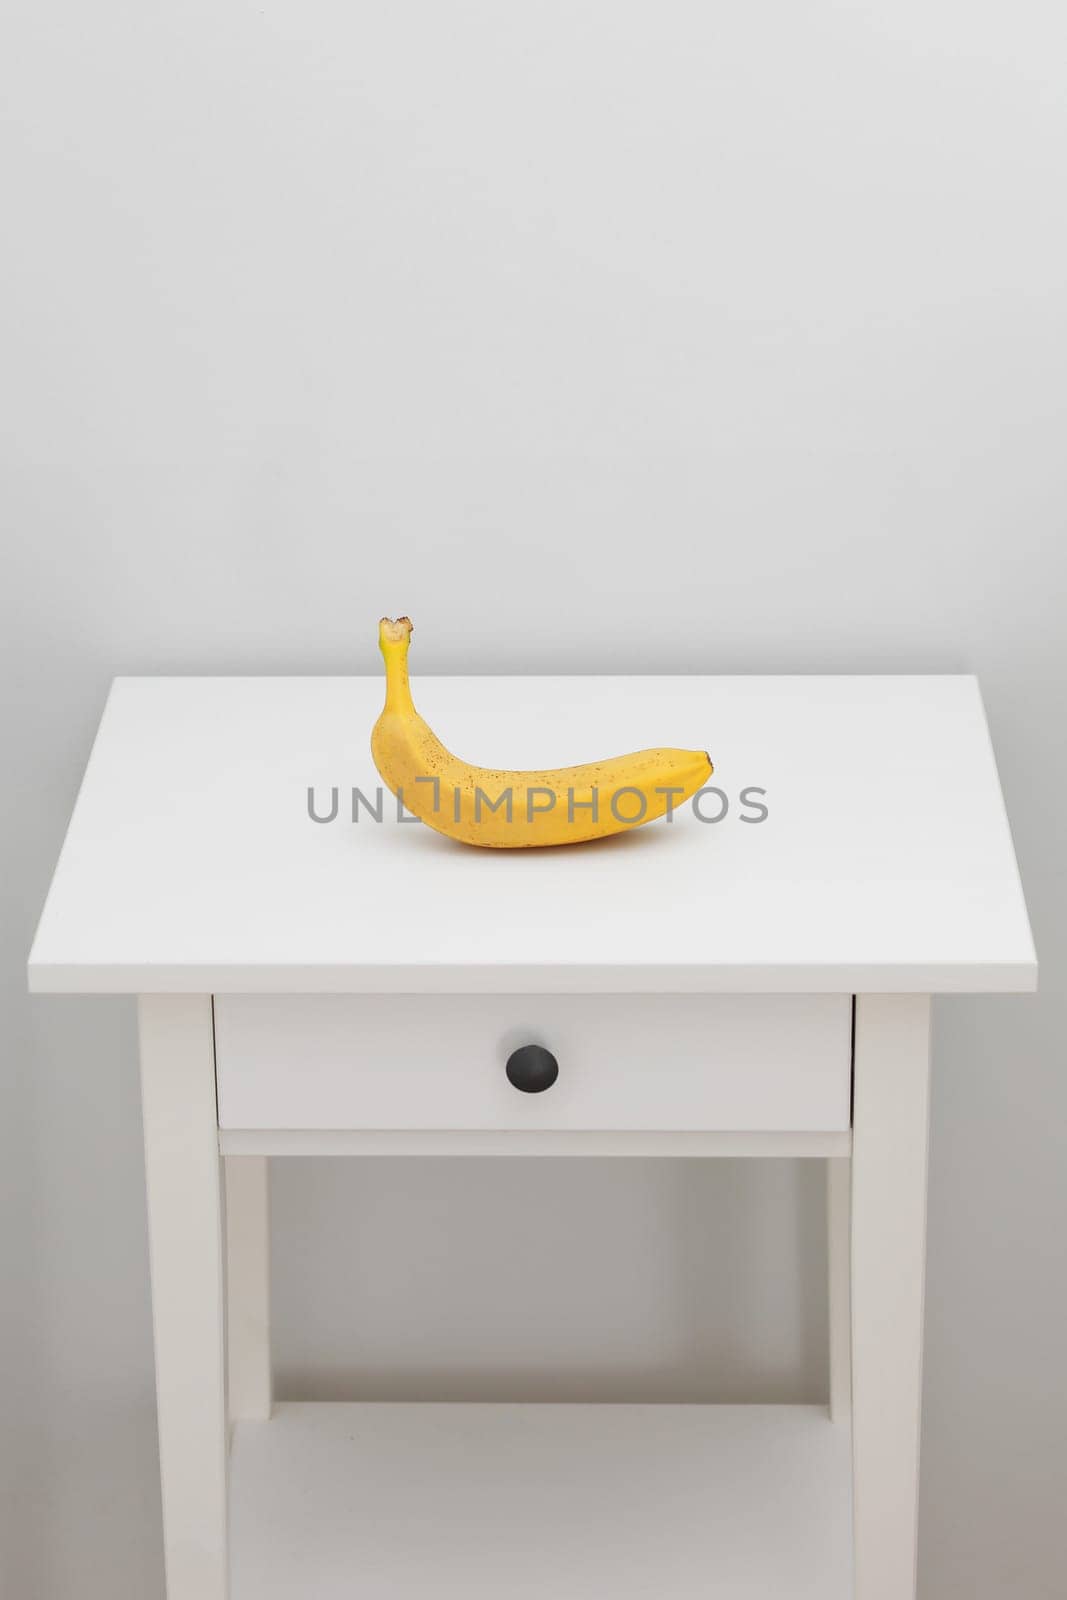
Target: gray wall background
x: 597, y: 337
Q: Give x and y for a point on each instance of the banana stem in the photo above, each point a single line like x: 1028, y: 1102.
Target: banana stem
x: 393, y: 639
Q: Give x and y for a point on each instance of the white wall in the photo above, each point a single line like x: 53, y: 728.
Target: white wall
x: 597, y: 336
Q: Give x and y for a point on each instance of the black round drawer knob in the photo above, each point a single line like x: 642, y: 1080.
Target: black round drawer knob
x: 532, y: 1068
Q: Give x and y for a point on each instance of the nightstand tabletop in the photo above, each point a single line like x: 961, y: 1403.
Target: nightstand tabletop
x: 884, y: 862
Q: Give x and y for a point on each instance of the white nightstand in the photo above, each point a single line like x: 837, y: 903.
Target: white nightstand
x: 707, y: 988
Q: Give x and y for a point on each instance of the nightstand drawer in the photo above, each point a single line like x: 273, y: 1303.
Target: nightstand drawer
x: 725, y: 1063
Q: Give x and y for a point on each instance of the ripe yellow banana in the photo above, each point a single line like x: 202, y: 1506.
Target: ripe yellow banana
x: 514, y: 810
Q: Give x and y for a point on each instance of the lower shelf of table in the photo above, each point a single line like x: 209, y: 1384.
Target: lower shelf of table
x: 392, y: 1501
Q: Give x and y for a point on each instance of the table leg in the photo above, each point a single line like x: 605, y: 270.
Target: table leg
x: 839, y: 1246
x: 182, y: 1168
x: 889, y: 1158
x: 248, y: 1370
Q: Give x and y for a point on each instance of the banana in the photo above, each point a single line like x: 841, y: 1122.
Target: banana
x: 503, y: 810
